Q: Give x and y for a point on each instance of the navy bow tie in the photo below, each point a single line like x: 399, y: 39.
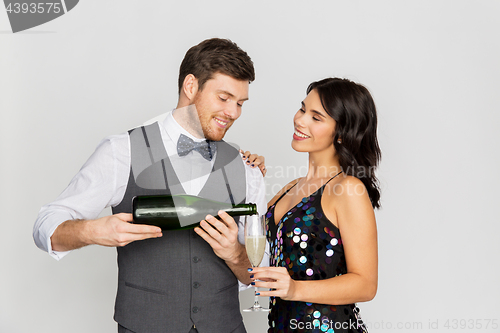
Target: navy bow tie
x: 185, y: 145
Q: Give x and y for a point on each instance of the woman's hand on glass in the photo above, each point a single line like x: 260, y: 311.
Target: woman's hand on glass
x: 276, y: 280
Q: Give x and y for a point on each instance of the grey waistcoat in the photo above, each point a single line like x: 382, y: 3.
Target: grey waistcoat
x: 168, y: 284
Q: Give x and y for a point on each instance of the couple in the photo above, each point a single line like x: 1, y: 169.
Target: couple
x: 188, y: 280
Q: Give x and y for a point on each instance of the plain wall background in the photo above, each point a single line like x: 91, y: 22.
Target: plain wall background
x: 432, y: 67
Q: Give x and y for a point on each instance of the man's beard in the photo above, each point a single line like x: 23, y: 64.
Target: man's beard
x: 209, y: 132
x: 208, y: 129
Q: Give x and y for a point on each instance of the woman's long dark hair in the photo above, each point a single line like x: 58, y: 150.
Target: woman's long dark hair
x: 352, y: 107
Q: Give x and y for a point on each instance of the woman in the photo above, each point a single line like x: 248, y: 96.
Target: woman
x: 321, y: 227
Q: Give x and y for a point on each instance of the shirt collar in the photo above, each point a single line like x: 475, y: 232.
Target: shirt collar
x: 174, y: 130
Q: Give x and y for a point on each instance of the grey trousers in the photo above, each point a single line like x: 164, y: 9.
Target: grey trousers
x: 122, y: 329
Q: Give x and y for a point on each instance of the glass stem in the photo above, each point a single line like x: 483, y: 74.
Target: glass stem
x: 256, y: 302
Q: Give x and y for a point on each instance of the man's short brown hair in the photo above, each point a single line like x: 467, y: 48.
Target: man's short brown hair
x: 213, y: 56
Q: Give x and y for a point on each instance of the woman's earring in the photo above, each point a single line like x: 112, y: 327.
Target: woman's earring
x: 339, y: 141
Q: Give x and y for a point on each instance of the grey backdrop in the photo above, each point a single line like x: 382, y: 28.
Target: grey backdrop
x: 432, y: 66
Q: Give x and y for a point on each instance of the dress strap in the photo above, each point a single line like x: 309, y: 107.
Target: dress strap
x: 284, y: 193
x: 323, y: 187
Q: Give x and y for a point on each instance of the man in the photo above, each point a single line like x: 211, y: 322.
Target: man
x: 175, y: 281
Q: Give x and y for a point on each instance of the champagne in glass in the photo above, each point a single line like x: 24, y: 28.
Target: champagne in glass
x: 255, y: 244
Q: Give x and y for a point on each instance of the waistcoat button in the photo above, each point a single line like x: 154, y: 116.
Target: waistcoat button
x: 196, y: 285
x: 196, y: 259
x: 196, y: 309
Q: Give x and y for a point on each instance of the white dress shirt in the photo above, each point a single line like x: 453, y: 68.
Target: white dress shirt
x: 103, y: 179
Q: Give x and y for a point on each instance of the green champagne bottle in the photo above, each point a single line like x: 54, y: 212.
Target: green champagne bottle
x: 175, y: 212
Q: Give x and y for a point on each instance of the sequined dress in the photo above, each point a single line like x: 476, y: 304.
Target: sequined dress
x: 310, y: 247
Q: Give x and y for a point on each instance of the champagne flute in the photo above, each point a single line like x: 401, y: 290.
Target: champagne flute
x: 255, y: 244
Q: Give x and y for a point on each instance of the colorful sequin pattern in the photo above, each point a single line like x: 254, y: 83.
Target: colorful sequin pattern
x: 310, y: 247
